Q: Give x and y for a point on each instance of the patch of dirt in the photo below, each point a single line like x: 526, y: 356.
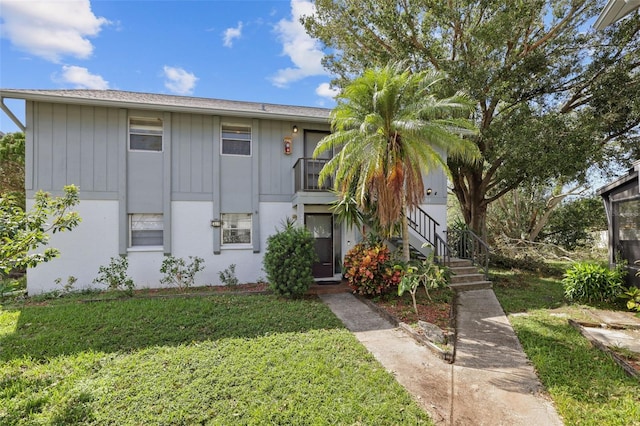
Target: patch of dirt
x: 435, y: 311
x: 240, y: 288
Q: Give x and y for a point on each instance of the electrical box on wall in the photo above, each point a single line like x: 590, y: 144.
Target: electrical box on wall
x: 287, y: 146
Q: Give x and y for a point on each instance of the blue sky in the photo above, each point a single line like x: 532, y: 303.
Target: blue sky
x: 234, y: 49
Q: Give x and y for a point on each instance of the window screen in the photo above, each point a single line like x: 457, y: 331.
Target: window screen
x: 146, y: 229
x: 236, y: 140
x: 145, y: 134
x: 236, y: 228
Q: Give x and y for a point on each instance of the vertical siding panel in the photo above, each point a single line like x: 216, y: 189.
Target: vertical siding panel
x: 87, y: 118
x: 175, y: 153
x: 73, y: 145
x: 207, y: 155
x: 196, y: 153
x: 59, y: 143
x: 100, y: 150
x: 113, y: 140
x: 44, y: 147
x: 284, y: 172
x: 266, y: 164
x: 185, y: 152
x: 30, y: 140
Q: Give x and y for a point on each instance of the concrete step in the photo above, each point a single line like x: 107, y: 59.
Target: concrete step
x: 467, y: 278
x: 458, y: 263
x: 467, y: 286
x: 464, y: 270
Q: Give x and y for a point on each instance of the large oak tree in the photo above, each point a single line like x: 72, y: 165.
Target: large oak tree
x: 553, y: 95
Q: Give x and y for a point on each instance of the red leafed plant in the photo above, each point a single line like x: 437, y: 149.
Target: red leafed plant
x: 368, y: 269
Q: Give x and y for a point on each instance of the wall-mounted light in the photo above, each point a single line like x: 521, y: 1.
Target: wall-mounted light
x: 295, y: 129
x: 429, y: 191
x: 216, y: 223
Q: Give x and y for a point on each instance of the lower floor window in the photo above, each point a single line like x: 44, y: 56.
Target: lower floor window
x: 236, y: 228
x: 146, y: 229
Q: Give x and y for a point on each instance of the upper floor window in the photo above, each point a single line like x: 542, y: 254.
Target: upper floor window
x: 236, y: 140
x: 145, y: 134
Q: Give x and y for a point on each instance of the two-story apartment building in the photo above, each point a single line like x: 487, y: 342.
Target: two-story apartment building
x: 170, y: 175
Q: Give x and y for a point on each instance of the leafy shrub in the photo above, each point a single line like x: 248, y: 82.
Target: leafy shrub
x: 632, y: 294
x: 68, y: 286
x: 427, y: 273
x: 115, y: 276
x: 177, y: 272
x: 368, y: 269
x: 289, y: 259
x: 591, y: 282
x: 228, y: 276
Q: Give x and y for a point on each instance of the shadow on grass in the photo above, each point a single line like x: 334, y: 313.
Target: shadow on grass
x: 47, y: 331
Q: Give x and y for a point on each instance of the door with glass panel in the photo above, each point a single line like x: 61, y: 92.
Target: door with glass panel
x: 321, y: 227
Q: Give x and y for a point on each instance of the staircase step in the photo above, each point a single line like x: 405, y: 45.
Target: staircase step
x: 476, y: 285
x: 464, y: 270
x: 467, y: 278
x: 459, y: 263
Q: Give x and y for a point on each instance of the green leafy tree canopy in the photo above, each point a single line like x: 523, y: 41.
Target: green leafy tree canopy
x: 553, y: 96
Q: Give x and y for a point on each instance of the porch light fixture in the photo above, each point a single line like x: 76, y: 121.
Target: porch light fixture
x: 429, y: 191
x: 295, y: 129
x: 216, y: 223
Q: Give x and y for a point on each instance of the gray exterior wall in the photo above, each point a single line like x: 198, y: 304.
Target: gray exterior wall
x: 82, y: 145
x: 88, y: 146
x: 74, y: 144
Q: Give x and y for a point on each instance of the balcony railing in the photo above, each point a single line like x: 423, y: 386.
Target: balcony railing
x: 306, y: 173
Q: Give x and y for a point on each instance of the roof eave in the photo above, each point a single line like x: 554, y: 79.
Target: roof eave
x: 39, y: 97
x: 614, y: 11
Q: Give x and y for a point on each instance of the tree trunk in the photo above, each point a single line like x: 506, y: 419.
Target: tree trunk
x: 469, y: 190
x: 406, y: 255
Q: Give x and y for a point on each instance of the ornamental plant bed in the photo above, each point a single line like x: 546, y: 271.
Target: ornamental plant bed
x: 435, y: 311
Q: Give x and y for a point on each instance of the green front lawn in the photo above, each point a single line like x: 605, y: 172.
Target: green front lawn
x: 587, y: 386
x: 220, y: 359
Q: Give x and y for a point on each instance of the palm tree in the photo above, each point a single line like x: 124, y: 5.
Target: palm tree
x: 391, y: 128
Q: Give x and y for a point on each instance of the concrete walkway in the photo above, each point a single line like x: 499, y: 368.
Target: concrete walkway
x: 491, y: 381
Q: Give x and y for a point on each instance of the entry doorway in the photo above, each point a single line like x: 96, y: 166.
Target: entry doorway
x: 321, y: 227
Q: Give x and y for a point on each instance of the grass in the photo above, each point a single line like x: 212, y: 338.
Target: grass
x: 222, y: 359
x: 587, y: 386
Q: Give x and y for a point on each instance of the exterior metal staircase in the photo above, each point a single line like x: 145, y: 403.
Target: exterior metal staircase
x: 465, y: 254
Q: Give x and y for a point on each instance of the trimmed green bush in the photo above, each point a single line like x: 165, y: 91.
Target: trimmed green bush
x: 591, y: 282
x: 289, y: 259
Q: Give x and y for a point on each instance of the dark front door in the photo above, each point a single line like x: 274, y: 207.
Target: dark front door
x: 321, y: 227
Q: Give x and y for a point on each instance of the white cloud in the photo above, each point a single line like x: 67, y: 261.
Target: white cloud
x: 304, y: 51
x: 179, y: 81
x: 81, y: 78
x: 326, y: 91
x: 232, y: 33
x: 51, y: 29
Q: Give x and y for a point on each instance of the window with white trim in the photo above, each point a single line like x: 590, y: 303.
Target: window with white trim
x: 236, y: 140
x: 145, y: 134
x: 146, y: 229
x: 236, y: 228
